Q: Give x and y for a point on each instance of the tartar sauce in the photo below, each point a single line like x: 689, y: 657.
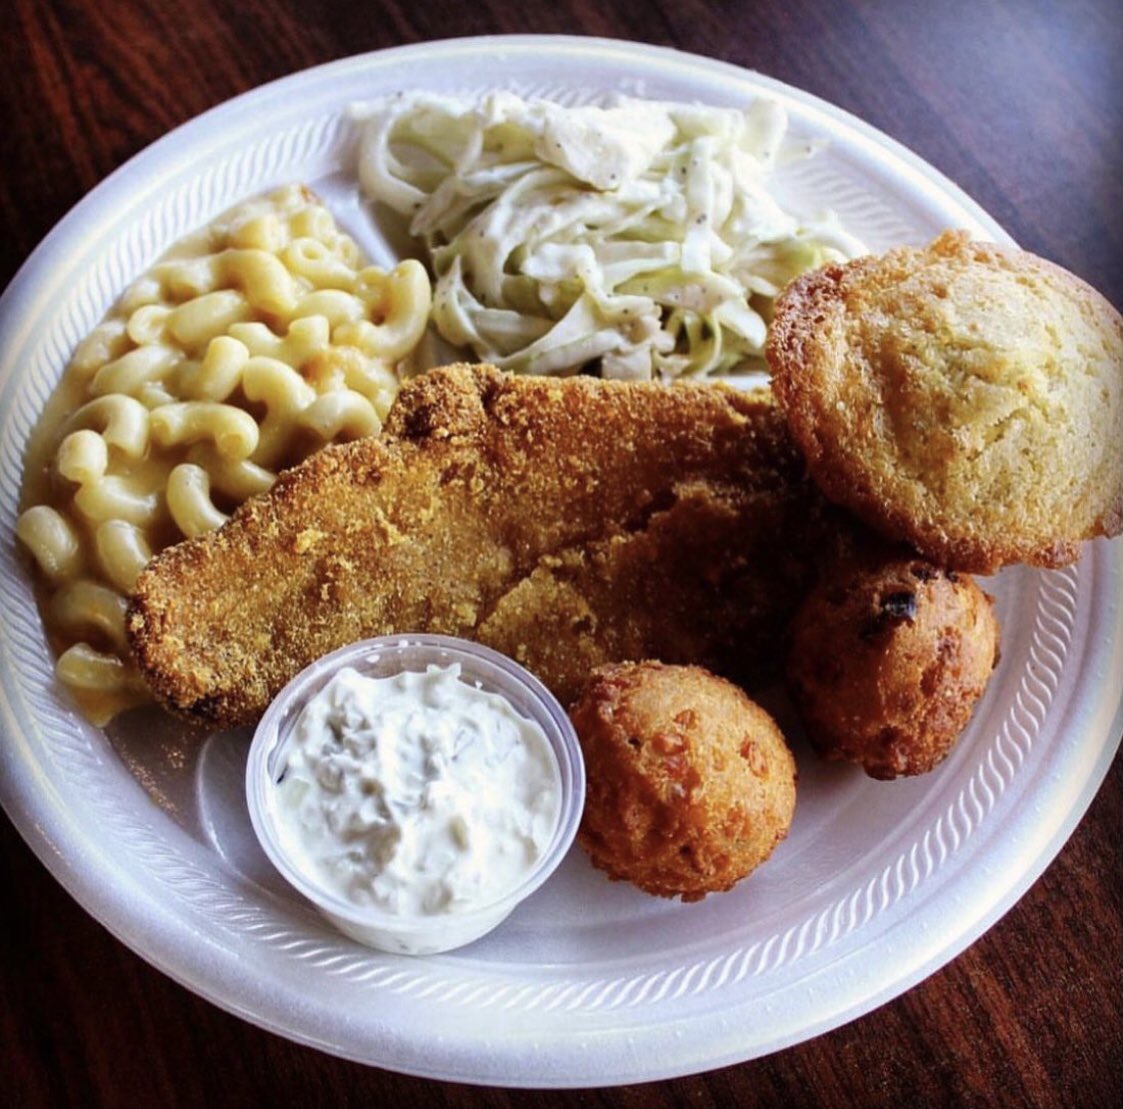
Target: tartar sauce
x: 417, y: 793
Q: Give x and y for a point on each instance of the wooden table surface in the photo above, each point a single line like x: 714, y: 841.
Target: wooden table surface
x: 1018, y: 101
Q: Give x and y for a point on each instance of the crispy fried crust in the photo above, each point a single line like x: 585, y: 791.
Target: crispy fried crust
x: 690, y: 783
x: 565, y: 522
x: 887, y: 662
x: 964, y: 398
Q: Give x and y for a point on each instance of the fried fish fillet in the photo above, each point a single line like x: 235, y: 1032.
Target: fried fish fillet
x: 565, y: 522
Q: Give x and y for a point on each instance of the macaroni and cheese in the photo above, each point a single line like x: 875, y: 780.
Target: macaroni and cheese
x: 251, y: 344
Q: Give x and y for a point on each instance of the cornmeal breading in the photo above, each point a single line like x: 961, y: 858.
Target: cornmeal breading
x: 964, y: 398
x: 887, y: 661
x: 565, y: 521
x: 690, y: 784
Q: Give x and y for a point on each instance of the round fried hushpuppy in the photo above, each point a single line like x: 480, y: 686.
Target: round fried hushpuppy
x: 689, y: 784
x: 887, y: 663
x: 964, y: 398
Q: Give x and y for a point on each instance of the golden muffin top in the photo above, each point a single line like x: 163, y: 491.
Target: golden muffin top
x: 963, y: 397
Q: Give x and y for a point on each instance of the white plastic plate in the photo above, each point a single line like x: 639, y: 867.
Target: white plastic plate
x: 589, y: 982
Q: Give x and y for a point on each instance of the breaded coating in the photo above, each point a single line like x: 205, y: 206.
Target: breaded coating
x: 964, y: 398
x: 566, y: 522
x: 690, y: 783
x: 888, y: 661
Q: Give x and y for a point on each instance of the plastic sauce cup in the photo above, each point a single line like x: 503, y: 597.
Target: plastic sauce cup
x: 381, y: 658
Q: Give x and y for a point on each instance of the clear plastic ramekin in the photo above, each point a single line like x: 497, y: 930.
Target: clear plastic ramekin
x: 381, y: 658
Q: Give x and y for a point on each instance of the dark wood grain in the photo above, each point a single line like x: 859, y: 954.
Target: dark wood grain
x: 1021, y: 103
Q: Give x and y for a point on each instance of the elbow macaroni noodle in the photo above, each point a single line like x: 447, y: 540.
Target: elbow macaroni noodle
x: 253, y: 343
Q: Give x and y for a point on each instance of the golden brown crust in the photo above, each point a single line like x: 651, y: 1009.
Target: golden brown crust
x: 565, y: 522
x: 690, y: 783
x: 887, y: 663
x: 964, y: 398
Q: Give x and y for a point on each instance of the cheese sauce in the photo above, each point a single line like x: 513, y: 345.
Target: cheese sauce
x: 418, y: 793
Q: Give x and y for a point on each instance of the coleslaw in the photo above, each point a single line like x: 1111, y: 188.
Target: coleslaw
x: 639, y: 238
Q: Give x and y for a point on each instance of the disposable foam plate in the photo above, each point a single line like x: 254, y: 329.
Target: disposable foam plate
x: 589, y: 982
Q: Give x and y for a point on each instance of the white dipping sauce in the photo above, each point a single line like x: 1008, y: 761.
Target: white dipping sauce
x: 418, y: 793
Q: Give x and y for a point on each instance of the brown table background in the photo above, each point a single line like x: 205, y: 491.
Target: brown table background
x: 1020, y: 103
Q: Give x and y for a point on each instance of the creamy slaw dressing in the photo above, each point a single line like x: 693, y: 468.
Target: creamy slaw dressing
x: 418, y: 793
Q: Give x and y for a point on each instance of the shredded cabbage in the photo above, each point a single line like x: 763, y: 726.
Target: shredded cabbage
x: 639, y: 237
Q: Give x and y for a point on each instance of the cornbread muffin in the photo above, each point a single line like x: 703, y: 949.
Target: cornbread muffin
x: 887, y: 663
x: 963, y: 397
x: 690, y: 785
